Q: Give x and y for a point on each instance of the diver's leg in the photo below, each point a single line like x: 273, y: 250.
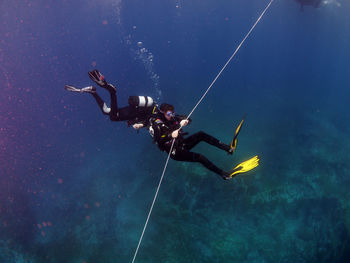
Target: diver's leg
x: 196, y: 138
x: 114, y: 106
x: 92, y: 90
x: 105, y: 110
x: 188, y: 156
x: 115, y: 111
x: 119, y: 114
x: 208, y: 164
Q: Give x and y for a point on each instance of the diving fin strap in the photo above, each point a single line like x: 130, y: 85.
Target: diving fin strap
x: 233, y: 144
x: 245, y: 166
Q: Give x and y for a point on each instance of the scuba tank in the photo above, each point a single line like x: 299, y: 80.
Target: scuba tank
x: 141, y: 101
x: 143, y: 108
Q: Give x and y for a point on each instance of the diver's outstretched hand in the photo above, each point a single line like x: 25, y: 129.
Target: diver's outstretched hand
x: 98, y: 78
x: 137, y: 126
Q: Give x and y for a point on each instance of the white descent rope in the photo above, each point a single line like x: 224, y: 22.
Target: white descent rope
x: 229, y: 60
x: 200, y: 100
x: 154, y: 200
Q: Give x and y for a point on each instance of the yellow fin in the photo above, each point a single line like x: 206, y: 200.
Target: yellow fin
x: 234, y: 140
x: 245, y: 166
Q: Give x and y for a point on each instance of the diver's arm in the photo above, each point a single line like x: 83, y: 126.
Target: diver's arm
x: 183, y: 117
x: 138, y: 126
x: 140, y: 123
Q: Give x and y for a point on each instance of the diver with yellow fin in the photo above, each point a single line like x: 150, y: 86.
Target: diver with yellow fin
x: 166, y: 126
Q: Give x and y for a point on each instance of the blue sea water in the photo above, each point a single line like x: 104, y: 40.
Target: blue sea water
x: 76, y: 187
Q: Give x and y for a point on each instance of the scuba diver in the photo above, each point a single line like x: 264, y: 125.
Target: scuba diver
x: 314, y: 3
x: 137, y: 114
x: 166, y: 126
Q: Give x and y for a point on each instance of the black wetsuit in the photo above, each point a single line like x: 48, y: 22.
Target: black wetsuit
x: 132, y: 114
x: 162, y: 130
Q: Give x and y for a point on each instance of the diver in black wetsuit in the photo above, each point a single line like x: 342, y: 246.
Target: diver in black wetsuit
x: 164, y: 127
x: 137, y: 114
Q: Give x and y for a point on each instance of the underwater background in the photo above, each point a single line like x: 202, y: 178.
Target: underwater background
x: 76, y: 187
